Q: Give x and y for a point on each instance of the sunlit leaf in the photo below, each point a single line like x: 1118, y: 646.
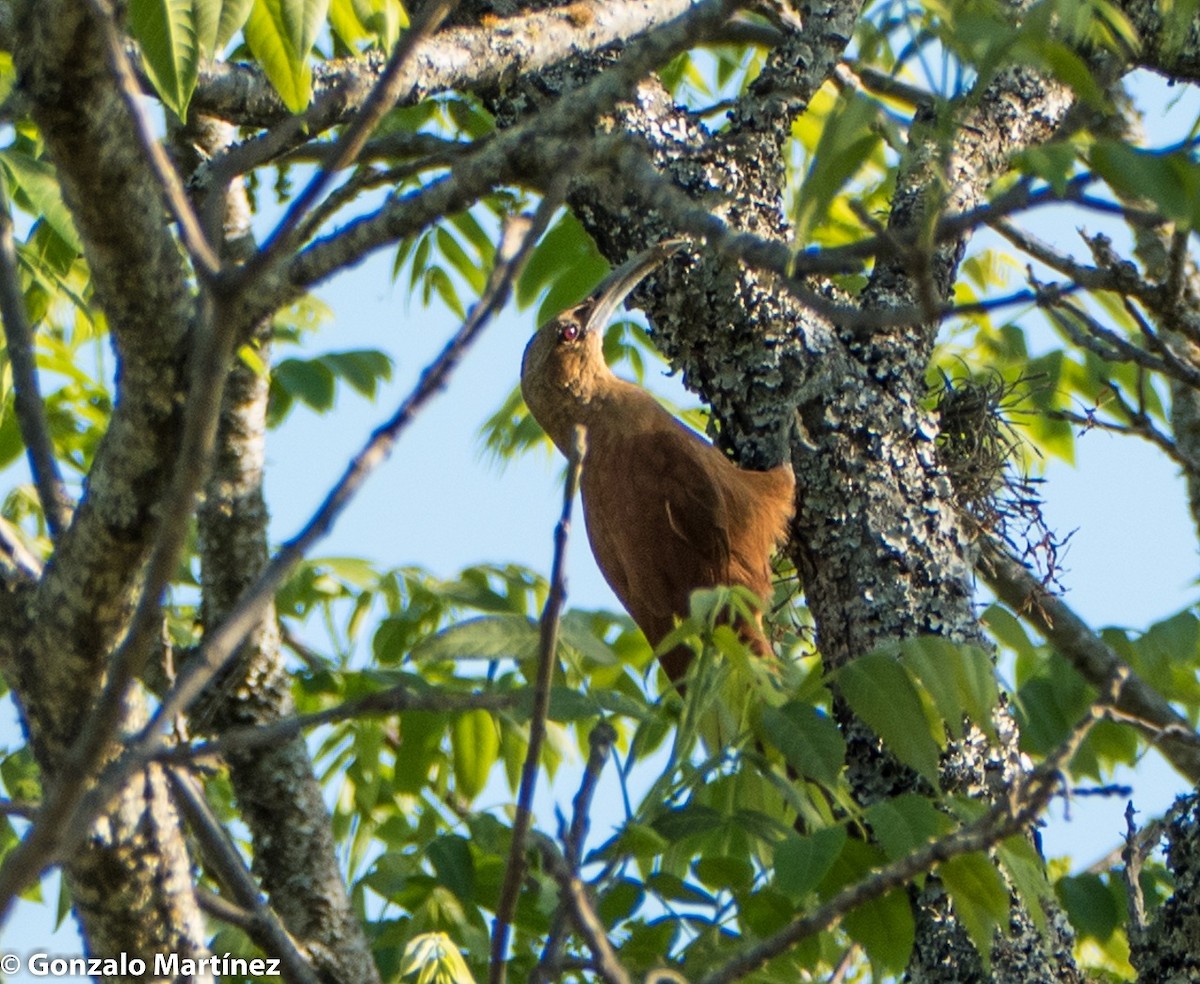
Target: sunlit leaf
x: 475, y: 742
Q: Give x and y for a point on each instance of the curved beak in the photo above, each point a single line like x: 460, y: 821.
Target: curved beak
x: 616, y: 286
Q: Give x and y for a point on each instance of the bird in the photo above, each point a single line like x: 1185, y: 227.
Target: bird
x: 666, y: 512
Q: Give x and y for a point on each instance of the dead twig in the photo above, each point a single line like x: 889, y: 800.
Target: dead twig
x: 547, y: 657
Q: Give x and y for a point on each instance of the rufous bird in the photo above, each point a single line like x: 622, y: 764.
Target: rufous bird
x: 666, y: 512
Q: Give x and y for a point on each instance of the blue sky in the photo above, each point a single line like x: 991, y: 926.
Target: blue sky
x: 442, y: 504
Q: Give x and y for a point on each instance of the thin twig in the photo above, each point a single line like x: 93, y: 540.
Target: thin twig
x: 1023, y: 804
x: 1140, y: 426
x: 18, y: 808
x: 213, y: 339
x: 600, y: 742
x: 68, y: 814
x: 1133, y: 857
x: 230, y: 871
x: 381, y: 98
x: 309, y: 656
x: 547, y: 657
x: 1093, y: 658
x: 845, y: 965
x: 394, y: 700
x: 590, y: 927
x: 1147, y: 837
x: 27, y: 397
x: 221, y: 908
x: 204, y: 257
x: 16, y: 551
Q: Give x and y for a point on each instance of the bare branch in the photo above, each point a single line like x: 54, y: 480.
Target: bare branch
x: 191, y: 232
x: 1013, y: 814
x: 470, y: 58
x: 395, y: 700
x: 350, y: 144
x: 1094, y: 659
x: 547, y: 659
x: 27, y: 398
x: 264, y: 926
x: 590, y: 927
x: 600, y: 742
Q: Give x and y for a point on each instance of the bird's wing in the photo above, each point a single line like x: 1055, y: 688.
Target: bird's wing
x: 658, y: 522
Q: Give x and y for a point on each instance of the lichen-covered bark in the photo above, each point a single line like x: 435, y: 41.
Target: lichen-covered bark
x: 882, y: 552
x: 1167, y: 951
x: 131, y: 881
x: 279, y: 797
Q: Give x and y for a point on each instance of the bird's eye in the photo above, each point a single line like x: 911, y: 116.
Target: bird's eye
x: 568, y: 332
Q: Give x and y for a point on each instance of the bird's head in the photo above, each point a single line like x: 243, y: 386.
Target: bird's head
x: 563, y: 368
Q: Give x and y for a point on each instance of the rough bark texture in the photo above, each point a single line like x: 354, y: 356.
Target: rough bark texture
x: 278, y: 795
x: 1167, y: 951
x: 876, y: 536
x: 135, y: 860
x: 877, y: 539
x: 277, y: 792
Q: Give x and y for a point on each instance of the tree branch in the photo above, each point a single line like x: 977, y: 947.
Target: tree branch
x: 264, y: 926
x: 382, y: 97
x: 27, y: 399
x: 395, y: 700
x: 1096, y: 662
x: 71, y: 808
x: 589, y: 924
x: 1011, y: 815
x: 547, y: 659
x: 460, y: 58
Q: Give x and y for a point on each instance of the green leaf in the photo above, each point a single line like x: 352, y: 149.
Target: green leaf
x: 959, y: 678
x: 434, y: 958
x: 809, y: 740
x: 802, y: 862
x: 979, y: 897
x: 355, y: 21
x: 882, y: 694
x: 1171, y: 181
x: 725, y: 872
x: 166, y: 32
x: 575, y: 632
x: 35, y: 179
x: 451, y: 858
x: 904, y: 823
x: 1090, y: 905
x: 1007, y: 630
x: 694, y: 818
x: 1027, y: 873
x: 847, y: 140
x: 1053, y: 162
x: 308, y: 380
x: 233, y: 17
x: 281, y: 33
x: 489, y: 637
x: 363, y: 369
x: 621, y: 901
x: 884, y: 926
x: 933, y: 661
x: 475, y: 743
